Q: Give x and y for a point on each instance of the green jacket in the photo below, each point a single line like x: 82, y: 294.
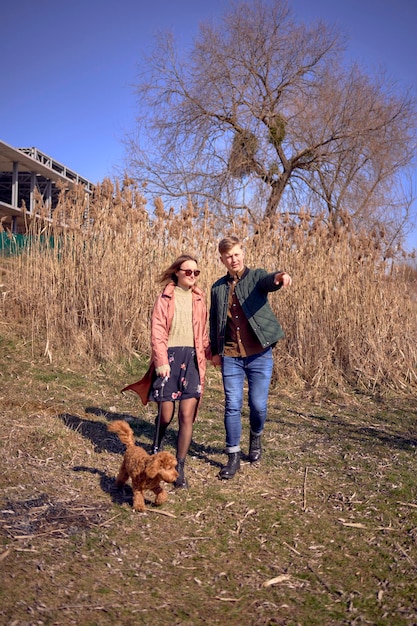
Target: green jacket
x: 252, y: 292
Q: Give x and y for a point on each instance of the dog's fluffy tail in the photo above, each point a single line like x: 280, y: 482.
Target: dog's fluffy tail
x: 123, y: 430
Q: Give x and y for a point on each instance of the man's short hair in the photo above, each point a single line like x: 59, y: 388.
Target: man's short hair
x: 227, y: 243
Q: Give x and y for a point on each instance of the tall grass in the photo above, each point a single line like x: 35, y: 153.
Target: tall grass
x: 86, y: 291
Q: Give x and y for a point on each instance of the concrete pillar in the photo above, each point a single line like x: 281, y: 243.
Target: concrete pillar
x: 32, y: 193
x: 48, y: 197
x: 15, y: 185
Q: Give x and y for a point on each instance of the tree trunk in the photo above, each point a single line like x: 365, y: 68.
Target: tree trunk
x: 277, y: 189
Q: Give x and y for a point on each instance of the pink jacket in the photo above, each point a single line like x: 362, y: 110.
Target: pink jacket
x: 162, y: 315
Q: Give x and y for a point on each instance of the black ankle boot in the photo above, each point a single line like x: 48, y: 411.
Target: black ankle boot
x: 181, y: 481
x: 233, y: 465
x: 255, y: 448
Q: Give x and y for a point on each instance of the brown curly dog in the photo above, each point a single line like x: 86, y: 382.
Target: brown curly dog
x: 146, y: 471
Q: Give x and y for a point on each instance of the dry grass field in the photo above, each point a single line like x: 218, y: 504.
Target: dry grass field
x: 322, y: 532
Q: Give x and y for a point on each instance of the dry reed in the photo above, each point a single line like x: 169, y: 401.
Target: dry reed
x: 86, y: 291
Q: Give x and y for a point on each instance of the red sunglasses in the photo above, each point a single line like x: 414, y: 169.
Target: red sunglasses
x: 189, y: 272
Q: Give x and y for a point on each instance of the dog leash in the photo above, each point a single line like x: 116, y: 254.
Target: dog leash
x: 155, y: 446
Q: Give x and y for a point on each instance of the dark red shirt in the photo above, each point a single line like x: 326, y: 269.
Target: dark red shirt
x: 240, y: 340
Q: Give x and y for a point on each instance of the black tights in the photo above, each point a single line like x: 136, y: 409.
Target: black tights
x: 186, y: 414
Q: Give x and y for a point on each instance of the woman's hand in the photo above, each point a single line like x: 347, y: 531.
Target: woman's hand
x: 164, y: 371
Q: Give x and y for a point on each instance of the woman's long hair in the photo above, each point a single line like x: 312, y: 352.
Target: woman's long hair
x: 169, y: 274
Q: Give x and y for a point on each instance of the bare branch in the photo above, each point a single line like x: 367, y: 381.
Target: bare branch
x: 263, y: 104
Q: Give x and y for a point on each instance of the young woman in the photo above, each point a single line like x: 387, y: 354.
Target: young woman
x: 180, y: 347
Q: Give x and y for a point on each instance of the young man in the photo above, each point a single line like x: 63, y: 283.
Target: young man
x: 243, y: 331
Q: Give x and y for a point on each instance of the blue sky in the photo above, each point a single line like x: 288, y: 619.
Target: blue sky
x: 68, y: 69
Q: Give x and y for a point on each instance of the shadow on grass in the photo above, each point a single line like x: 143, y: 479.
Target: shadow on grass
x: 104, y: 441
x: 143, y: 428
x: 100, y: 437
x: 393, y: 440
x: 204, y: 453
x: 337, y: 428
x: 120, y: 496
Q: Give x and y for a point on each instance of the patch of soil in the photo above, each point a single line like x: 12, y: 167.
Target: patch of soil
x: 44, y: 515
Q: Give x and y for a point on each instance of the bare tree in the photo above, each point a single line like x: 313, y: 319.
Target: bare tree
x: 261, y: 112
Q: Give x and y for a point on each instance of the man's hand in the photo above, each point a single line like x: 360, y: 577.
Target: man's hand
x: 216, y: 359
x: 283, y: 278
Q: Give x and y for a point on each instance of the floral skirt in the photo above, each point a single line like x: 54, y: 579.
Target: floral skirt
x: 184, y: 380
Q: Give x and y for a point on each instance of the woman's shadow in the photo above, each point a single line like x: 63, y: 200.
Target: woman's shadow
x: 98, y: 434
x: 105, y: 441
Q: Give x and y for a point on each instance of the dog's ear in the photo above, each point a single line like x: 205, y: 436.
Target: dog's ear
x: 153, y: 465
x: 168, y: 461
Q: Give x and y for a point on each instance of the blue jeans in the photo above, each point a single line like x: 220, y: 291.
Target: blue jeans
x: 258, y: 371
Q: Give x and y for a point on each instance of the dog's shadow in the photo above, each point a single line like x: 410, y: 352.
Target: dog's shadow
x: 118, y: 495
x: 108, y: 485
